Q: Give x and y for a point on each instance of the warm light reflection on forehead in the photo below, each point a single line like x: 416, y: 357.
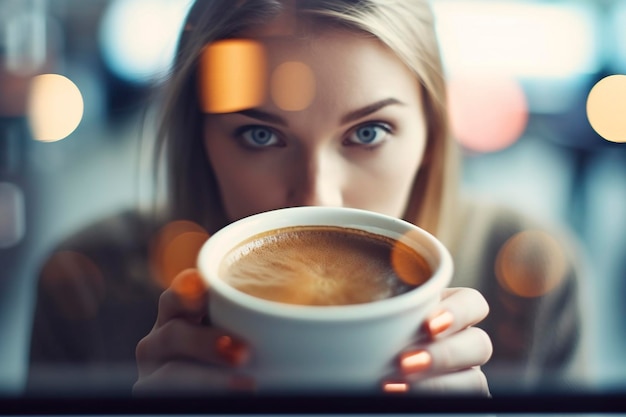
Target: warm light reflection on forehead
x: 531, y: 264
x: 232, y: 75
x: 292, y: 86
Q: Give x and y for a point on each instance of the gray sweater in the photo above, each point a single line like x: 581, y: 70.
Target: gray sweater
x: 96, y: 300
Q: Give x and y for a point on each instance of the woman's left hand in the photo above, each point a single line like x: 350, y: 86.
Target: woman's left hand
x: 448, y: 361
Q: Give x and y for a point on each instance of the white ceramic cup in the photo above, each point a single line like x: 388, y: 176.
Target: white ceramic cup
x: 344, y: 348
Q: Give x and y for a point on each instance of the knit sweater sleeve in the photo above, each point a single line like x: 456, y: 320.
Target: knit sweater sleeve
x: 95, y: 301
x: 529, y: 275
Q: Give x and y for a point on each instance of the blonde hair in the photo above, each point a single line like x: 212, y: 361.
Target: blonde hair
x: 405, y: 26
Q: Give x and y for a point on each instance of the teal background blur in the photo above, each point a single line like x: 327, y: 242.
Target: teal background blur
x: 557, y: 169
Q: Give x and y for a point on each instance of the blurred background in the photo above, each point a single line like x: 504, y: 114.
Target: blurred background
x: 538, y: 103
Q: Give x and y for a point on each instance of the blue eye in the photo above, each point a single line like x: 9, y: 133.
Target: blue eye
x: 369, y: 135
x: 259, y: 137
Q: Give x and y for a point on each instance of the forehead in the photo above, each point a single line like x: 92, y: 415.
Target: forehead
x: 341, y: 65
x: 333, y: 49
x: 329, y: 69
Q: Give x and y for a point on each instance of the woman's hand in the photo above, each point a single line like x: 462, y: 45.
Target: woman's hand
x: 182, y: 354
x: 449, y: 360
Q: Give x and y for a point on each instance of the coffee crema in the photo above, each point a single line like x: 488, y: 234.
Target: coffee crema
x: 323, y: 265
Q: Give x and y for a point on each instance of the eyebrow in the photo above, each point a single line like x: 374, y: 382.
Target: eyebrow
x: 263, y: 116
x: 349, y: 117
x: 369, y: 109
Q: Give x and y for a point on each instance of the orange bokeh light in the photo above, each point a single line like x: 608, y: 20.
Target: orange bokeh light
x: 408, y: 265
x: 232, y: 76
x: 175, y: 249
x: 392, y: 387
x: 189, y: 285
x: 530, y: 264
x: 292, y: 86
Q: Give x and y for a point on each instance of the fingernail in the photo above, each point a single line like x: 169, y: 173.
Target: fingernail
x: 231, y: 350
x: 242, y: 383
x: 439, y: 323
x: 416, y: 361
x: 394, y: 387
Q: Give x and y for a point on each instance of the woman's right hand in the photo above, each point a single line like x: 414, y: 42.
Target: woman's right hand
x: 182, y: 353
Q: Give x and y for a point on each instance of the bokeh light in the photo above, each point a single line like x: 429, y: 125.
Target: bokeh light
x: 55, y: 107
x: 531, y: 264
x: 606, y: 108
x: 292, y: 86
x: 487, y: 114
x: 75, y: 284
x: 395, y: 387
x: 12, y: 215
x: 233, y: 76
x: 138, y: 37
x: 522, y: 39
x: 408, y: 265
x: 182, y: 253
x: 175, y: 248
x: 189, y: 286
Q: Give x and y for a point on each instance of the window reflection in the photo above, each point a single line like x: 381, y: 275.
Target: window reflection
x: 542, y: 60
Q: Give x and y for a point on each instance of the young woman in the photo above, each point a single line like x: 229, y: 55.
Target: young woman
x: 313, y: 102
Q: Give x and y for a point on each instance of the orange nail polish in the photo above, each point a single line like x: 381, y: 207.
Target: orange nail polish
x: 232, y: 351
x: 417, y: 361
x: 394, y: 387
x: 439, y: 323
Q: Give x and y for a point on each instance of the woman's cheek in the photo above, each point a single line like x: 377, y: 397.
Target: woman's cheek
x: 389, y: 180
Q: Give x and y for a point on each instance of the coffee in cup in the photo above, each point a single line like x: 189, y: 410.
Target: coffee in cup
x: 323, y: 265
x: 325, y: 340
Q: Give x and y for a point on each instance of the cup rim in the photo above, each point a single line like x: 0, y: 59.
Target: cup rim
x: 214, y: 247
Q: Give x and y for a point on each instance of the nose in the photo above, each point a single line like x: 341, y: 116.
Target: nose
x: 316, y: 181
